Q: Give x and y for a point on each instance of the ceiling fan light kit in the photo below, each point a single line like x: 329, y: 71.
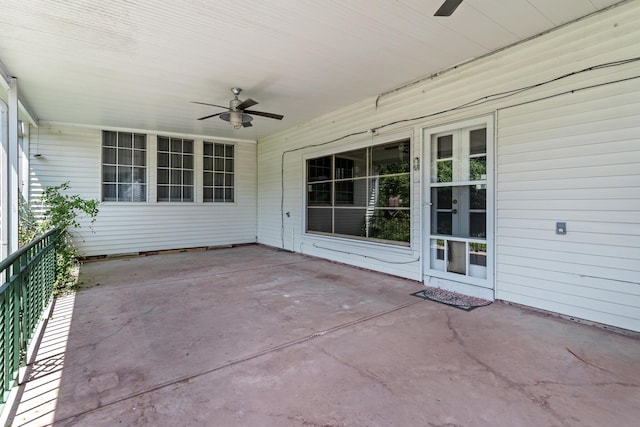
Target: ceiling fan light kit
x: 238, y: 115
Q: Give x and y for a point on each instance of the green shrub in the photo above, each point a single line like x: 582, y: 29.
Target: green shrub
x: 62, y: 212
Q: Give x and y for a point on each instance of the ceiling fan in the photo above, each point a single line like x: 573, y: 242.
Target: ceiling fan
x: 237, y: 113
x: 448, y: 7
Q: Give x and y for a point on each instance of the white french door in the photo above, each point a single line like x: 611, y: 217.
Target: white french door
x: 459, y: 207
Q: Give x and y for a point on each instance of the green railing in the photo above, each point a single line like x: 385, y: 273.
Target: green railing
x: 27, y: 287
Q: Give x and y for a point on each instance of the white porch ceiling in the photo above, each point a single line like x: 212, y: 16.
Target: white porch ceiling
x: 138, y: 64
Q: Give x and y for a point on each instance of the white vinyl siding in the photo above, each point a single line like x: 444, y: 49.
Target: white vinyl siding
x: 577, y: 163
x: 74, y: 154
x: 584, y: 164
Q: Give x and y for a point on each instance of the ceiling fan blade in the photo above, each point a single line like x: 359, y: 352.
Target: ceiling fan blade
x: 211, y: 105
x: 246, y: 104
x: 269, y: 115
x: 448, y: 7
x: 246, y: 124
x: 213, y: 115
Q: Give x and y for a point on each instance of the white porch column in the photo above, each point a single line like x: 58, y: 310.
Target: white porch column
x: 4, y: 180
x: 13, y: 165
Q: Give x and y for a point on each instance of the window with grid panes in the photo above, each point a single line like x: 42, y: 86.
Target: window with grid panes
x: 218, y: 172
x: 362, y: 194
x: 175, y: 169
x: 124, y: 167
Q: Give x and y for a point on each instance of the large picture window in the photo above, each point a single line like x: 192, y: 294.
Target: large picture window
x: 218, y: 172
x: 124, y: 167
x: 175, y: 169
x: 362, y: 194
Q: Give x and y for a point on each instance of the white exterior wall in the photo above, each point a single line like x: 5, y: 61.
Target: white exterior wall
x: 574, y: 160
x: 578, y: 280
x: 74, y: 154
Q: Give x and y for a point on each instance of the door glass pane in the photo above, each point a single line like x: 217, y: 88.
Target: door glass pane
x: 444, y: 147
x: 478, y: 141
x: 442, y: 197
x: 478, y: 224
x: 478, y: 168
x: 444, y: 171
x: 477, y: 197
x: 444, y: 224
x: 437, y: 254
x: 478, y: 260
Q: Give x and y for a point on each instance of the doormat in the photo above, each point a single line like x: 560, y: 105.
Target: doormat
x: 454, y: 299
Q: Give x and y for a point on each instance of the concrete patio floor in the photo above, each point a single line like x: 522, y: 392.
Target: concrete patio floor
x: 251, y: 336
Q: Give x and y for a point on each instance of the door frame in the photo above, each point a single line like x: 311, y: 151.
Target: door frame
x: 481, y: 288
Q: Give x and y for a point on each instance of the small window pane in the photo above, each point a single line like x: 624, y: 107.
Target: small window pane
x: 124, y: 156
x: 208, y: 149
x: 390, y: 158
x: 125, y: 174
x: 319, y: 219
x: 139, y: 192
x: 109, y: 174
x: 139, y: 175
x: 140, y: 141
x: 163, y: 193
x: 163, y: 160
x: 124, y: 140
x: 444, y: 224
x: 139, y: 158
x: 229, y: 150
x: 176, y: 145
x: 208, y: 164
x: 109, y: 192
x: 219, y: 180
x: 319, y: 194
x: 176, y: 177
x: 219, y: 164
x: 187, y: 177
x: 163, y: 143
x: 390, y: 224
x: 351, y: 222
x: 175, y: 193
x: 187, y: 146
x: 219, y: 151
x: 187, y: 194
x: 109, y: 155
x: 176, y: 160
x: 351, y: 164
x: 319, y: 169
x: 443, y: 197
x: 208, y: 194
x: 208, y: 179
x: 163, y: 176
x: 218, y: 195
x: 228, y: 194
x: 109, y: 139
x: 228, y: 165
x: 124, y: 192
x: 187, y: 161
x: 228, y: 179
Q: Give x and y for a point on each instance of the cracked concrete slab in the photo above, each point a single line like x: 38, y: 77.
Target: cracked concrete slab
x: 252, y: 336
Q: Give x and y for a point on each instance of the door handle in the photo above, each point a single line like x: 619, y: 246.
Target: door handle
x: 455, y: 211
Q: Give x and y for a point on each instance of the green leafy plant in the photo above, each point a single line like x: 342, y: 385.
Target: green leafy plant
x: 61, y: 211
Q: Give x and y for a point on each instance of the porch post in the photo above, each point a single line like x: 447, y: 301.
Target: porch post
x: 13, y: 165
x: 4, y: 180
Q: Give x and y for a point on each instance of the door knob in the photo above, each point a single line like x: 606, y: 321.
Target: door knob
x: 455, y: 211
